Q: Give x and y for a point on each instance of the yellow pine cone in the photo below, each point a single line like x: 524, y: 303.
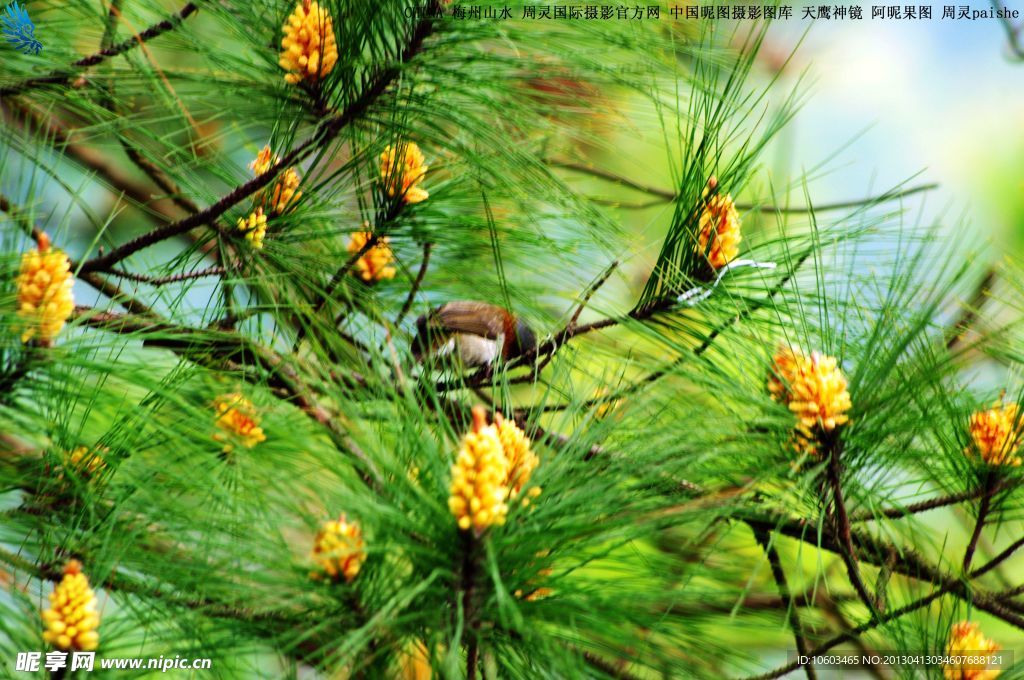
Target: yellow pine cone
x: 375, y: 263
x: 285, y: 192
x: 338, y: 549
x: 44, y: 285
x: 522, y: 461
x: 814, y: 389
x: 479, y: 478
x: 237, y: 416
x: 720, y: 225
x: 965, y: 639
x: 309, y: 50
x: 72, y: 621
x: 86, y: 461
x: 254, y: 227
x: 402, y: 169
x: 996, y: 434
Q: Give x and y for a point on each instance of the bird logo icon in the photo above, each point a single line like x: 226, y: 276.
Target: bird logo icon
x: 19, y: 29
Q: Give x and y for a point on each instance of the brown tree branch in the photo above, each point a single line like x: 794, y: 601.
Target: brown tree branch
x: 930, y: 504
x: 224, y: 349
x: 946, y: 587
x: 90, y: 159
x: 411, y: 298
x: 792, y: 613
x: 324, y: 134
x: 172, y: 278
x: 979, y: 524
x: 842, y: 522
x: 64, y: 76
x: 665, y: 195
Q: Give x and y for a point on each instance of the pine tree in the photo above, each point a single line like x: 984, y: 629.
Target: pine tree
x: 229, y: 428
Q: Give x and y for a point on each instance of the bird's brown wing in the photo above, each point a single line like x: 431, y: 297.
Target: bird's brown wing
x: 478, y: 318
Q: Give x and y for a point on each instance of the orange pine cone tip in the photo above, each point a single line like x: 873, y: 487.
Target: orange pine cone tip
x: 285, y: 193
x: 479, y: 414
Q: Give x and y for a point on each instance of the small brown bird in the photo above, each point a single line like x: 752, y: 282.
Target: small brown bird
x: 478, y: 333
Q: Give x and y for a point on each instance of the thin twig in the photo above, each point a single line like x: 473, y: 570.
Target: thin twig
x: 411, y: 298
x: 324, y: 134
x: 930, y: 504
x: 173, y: 278
x: 764, y: 539
x: 949, y: 587
x: 63, y: 76
x: 979, y: 524
x: 666, y: 195
x: 842, y: 523
x: 572, y: 324
x: 50, y: 128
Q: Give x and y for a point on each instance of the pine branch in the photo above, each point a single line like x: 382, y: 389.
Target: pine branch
x: 909, y: 563
x: 703, y: 347
x: 172, y: 278
x: 979, y: 524
x: 411, y: 298
x: 932, y: 503
x: 834, y: 449
x: 948, y: 587
x: 324, y: 135
x: 227, y: 350
x: 665, y: 195
x: 764, y: 539
x: 63, y: 77
x: 52, y: 129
